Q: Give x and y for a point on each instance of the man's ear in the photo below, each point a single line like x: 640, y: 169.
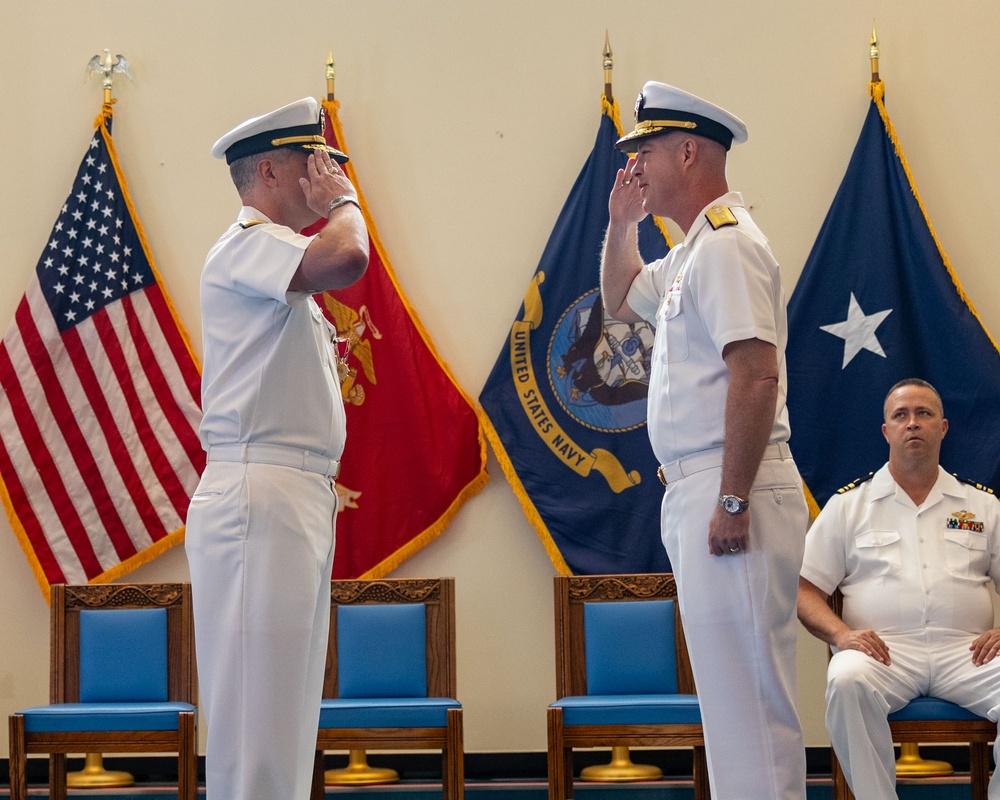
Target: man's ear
x: 265, y: 171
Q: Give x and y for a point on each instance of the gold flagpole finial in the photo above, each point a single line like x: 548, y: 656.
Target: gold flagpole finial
x: 108, y: 65
x: 331, y: 74
x: 873, y: 54
x: 608, y: 65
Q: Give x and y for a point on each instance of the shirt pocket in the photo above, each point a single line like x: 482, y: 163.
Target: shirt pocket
x: 672, y: 327
x: 879, y: 552
x: 965, y: 553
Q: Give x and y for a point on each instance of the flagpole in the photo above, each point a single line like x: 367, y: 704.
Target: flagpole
x: 620, y: 768
x: 873, y: 54
x: 608, y: 66
x: 93, y: 775
x: 909, y: 764
x: 357, y: 772
x: 331, y: 76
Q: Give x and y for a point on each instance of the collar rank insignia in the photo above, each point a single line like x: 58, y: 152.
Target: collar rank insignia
x: 964, y: 521
x: 249, y: 223
x: 720, y: 216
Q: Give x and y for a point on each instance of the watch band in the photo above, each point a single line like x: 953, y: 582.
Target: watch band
x: 337, y: 202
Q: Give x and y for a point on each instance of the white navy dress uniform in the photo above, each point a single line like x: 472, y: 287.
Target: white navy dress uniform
x: 722, y: 285
x: 260, y: 529
x: 918, y: 577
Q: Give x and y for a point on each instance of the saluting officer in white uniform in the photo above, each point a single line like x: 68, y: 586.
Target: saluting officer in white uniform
x: 733, y: 517
x: 912, y: 549
x: 260, y: 529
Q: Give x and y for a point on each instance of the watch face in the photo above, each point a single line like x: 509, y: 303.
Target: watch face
x: 733, y: 505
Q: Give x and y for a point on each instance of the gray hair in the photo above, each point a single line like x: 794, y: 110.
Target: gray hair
x: 243, y: 171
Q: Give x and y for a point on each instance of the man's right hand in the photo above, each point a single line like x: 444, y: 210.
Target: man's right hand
x: 625, y: 202
x: 867, y: 642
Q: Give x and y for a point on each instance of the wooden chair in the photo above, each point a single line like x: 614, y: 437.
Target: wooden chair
x: 622, y: 673
x: 390, y: 676
x: 122, y: 680
x: 929, y: 719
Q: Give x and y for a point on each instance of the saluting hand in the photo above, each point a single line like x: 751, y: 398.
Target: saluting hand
x: 625, y: 202
x: 325, y: 180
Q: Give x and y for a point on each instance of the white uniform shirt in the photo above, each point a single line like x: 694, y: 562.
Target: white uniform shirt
x: 901, y: 568
x: 718, y: 286
x: 269, y: 374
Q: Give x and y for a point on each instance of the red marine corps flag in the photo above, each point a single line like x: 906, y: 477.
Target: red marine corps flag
x: 415, y: 451
x: 99, y: 392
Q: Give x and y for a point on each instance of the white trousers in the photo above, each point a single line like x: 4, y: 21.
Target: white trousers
x: 861, y: 693
x: 260, y: 542
x: 741, y: 629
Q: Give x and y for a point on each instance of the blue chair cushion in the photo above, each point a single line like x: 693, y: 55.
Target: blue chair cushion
x: 70, y: 717
x: 382, y: 650
x: 400, y: 712
x: 657, y: 709
x: 931, y: 708
x: 123, y: 655
x: 629, y: 647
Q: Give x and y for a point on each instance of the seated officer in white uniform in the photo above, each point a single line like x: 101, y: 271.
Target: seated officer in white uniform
x: 912, y: 550
x: 260, y: 529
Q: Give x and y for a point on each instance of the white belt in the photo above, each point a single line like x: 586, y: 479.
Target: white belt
x: 706, y: 459
x: 276, y: 454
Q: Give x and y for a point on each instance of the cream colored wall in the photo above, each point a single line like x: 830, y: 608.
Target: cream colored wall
x: 468, y: 123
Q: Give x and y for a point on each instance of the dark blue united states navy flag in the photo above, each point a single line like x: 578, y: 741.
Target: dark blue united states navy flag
x: 565, y: 404
x: 877, y: 302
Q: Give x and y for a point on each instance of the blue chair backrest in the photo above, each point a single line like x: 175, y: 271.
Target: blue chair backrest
x: 382, y: 650
x: 629, y: 647
x: 123, y: 655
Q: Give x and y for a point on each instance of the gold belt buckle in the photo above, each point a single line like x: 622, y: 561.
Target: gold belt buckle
x: 660, y: 474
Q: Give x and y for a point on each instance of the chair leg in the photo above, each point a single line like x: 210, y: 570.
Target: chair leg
x: 187, y: 757
x: 702, y: 787
x: 979, y: 769
x: 18, y: 759
x: 841, y: 791
x: 318, y: 789
x: 560, y: 759
x: 57, y: 776
x: 453, y: 758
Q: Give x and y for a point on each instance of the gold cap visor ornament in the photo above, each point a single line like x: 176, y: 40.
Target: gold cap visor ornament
x: 661, y: 108
x: 299, y: 126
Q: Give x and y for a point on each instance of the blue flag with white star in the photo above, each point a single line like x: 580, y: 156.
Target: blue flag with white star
x: 877, y: 302
x: 565, y: 404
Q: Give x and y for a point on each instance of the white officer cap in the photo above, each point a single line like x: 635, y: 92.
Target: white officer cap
x: 662, y: 108
x: 299, y: 125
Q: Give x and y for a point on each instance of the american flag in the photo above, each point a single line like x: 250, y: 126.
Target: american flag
x: 99, y: 392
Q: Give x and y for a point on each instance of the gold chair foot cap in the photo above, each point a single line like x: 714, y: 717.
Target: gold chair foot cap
x: 916, y: 767
x: 89, y: 778
x: 359, y: 776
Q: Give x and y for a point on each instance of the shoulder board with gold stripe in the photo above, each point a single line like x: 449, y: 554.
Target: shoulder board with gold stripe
x: 977, y: 484
x: 249, y: 223
x: 856, y: 483
x: 720, y: 216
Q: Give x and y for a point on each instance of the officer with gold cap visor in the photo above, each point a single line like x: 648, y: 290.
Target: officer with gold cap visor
x: 733, y: 517
x: 260, y: 528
